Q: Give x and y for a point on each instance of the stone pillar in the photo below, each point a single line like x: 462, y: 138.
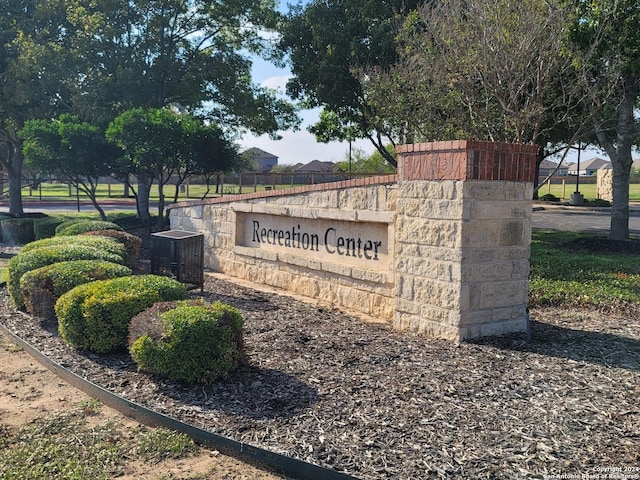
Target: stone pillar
x: 605, y: 183
x: 463, y: 238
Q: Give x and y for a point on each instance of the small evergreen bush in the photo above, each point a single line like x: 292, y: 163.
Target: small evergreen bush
x: 597, y: 202
x: 46, y: 227
x: 17, y: 231
x: 41, y: 288
x: 95, y: 316
x: 47, y: 255
x: 188, y: 341
x: 132, y: 243
x: 549, y: 197
x: 85, y: 226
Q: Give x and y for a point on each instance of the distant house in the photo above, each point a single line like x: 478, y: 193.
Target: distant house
x: 548, y: 167
x: 315, y: 166
x: 264, y: 161
x: 588, y: 167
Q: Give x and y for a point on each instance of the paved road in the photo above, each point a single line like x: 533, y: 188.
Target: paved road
x: 581, y: 219
x: 551, y: 217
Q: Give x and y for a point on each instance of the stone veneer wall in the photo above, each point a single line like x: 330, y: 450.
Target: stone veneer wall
x: 463, y: 238
x: 605, y: 184
x: 459, y: 225
x: 362, y: 200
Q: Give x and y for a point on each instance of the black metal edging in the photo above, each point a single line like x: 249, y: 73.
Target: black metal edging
x: 292, y: 467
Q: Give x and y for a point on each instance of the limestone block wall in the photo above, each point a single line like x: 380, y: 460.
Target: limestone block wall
x: 463, y: 243
x: 442, y: 248
x: 342, y: 281
x: 605, y: 184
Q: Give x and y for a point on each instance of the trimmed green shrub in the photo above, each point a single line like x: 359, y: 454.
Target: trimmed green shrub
x: 95, y: 316
x: 68, y: 222
x: 597, y: 202
x: 85, y: 226
x: 47, y: 255
x: 41, y: 288
x: 549, y: 197
x: 132, y: 243
x: 188, y: 341
x: 17, y: 231
x: 107, y: 244
x: 46, y: 227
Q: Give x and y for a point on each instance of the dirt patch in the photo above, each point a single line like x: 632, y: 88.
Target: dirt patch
x: 29, y: 391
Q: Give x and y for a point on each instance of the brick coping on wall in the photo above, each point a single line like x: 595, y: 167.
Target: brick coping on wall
x: 281, y: 192
x: 466, y: 160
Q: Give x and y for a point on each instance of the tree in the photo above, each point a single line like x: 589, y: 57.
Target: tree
x: 326, y: 42
x: 98, y: 59
x: 372, y: 164
x: 159, y: 145
x: 33, y: 60
x: 70, y: 150
x: 207, y: 153
x: 194, y: 55
x: 492, y: 70
x: 606, y: 38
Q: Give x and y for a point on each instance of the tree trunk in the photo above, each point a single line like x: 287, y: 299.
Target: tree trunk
x: 621, y: 160
x: 14, y: 173
x: 619, y: 229
x: 144, y: 190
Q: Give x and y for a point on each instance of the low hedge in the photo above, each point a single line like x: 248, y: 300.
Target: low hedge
x: 46, y: 227
x: 83, y: 226
x: 132, y: 243
x: 95, y: 316
x: 41, y: 288
x: 110, y: 245
x: 188, y: 341
x: 47, y: 255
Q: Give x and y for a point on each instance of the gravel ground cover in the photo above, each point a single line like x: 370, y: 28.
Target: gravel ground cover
x: 331, y: 389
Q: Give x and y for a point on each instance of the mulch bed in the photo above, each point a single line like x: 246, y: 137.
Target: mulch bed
x: 331, y: 389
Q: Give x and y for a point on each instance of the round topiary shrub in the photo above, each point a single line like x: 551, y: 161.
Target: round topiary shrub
x: 46, y: 227
x: 84, y: 226
x: 41, y: 288
x: 17, y: 231
x: 131, y: 243
x: 188, y: 341
x: 47, y: 255
x: 95, y: 316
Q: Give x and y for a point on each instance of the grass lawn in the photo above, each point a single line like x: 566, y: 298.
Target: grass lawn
x: 577, y: 269
x: 589, y: 190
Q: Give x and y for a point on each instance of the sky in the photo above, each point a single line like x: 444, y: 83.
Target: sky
x: 299, y: 146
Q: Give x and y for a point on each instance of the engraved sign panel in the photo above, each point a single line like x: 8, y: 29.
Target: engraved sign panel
x: 361, y: 244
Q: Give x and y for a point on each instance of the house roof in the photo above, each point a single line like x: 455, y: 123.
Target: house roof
x: 593, y: 164
x: 316, y: 166
x: 256, y: 152
x: 547, y: 164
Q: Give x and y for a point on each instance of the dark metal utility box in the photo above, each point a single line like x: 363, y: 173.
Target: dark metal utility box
x: 179, y: 254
